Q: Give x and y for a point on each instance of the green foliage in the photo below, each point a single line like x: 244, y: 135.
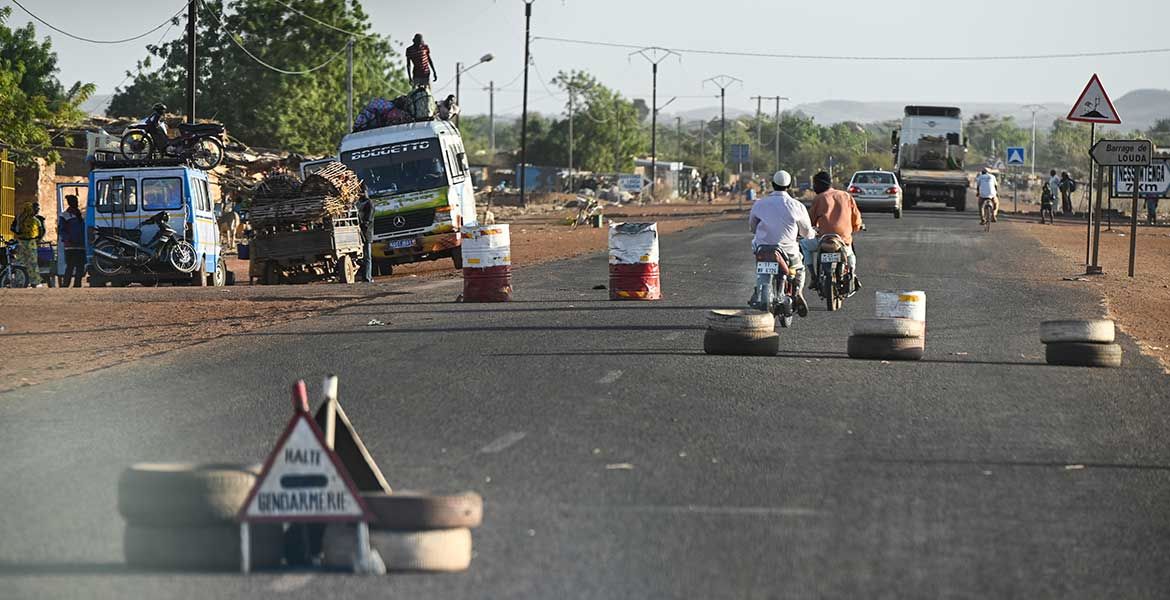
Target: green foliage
x: 300, y: 113
x: 32, y: 100
x: 1160, y: 133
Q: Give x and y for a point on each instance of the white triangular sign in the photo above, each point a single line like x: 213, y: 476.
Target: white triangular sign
x: 303, y: 481
x: 1094, y: 105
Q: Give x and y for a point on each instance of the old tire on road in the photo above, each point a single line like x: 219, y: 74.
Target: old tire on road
x: 441, y: 550
x: 885, y: 348
x: 406, y: 510
x: 890, y: 328
x: 1093, y: 331
x: 740, y: 320
x: 741, y: 343
x: 1077, y: 354
x: 214, y: 548
x: 181, y: 494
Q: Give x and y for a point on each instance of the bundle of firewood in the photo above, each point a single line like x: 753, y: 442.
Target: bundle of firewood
x: 282, y: 199
x: 278, y: 184
x: 336, y: 180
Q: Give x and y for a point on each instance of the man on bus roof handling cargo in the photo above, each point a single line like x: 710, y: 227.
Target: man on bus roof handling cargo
x: 419, y: 66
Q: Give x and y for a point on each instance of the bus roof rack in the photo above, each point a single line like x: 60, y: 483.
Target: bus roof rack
x: 122, y: 163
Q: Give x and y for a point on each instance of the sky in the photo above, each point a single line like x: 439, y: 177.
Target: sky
x: 464, y: 30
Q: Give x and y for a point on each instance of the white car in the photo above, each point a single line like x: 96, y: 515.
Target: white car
x: 877, y: 191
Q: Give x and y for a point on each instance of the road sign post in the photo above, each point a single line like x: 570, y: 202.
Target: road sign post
x: 1015, y: 158
x: 1093, y: 106
x: 1119, y: 153
x: 1133, y: 222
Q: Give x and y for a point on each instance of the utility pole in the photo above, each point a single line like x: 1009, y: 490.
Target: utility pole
x: 491, y: 89
x: 571, y: 90
x: 349, y: 84
x: 617, y: 144
x: 655, y: 55
x: 723, y: 82
x: 1035, y: 108
x: 678, y: 136
x: 524, y: 111
x: 192, y: 68
x: 759, y: 129
x: 777, y: 99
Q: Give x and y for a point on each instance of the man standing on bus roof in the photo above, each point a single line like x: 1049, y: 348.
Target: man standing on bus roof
x: 419, y: 66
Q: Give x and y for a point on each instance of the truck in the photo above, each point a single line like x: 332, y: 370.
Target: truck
x: 332, y: 249
x: 419, y: 182
x: 929, y: 152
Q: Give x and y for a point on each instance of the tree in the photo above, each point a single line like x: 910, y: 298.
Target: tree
x: 1160, y: 133
x: 32, y: 100
x: 300, y: 113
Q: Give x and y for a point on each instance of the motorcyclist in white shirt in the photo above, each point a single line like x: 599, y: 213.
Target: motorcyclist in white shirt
x: 776, y: 220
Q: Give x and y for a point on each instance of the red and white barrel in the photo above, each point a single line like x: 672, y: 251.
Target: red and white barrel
x: 633, y: 262
x: 487, y: 263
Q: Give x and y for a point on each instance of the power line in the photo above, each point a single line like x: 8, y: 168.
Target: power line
x: 235, y: 38
x: 323, y: 23
x: 93, y: 41
x: 1015, y: 57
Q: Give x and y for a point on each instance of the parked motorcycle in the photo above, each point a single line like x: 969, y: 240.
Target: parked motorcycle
x: 776, y: 285
x: 197, y: 142
x: 833, y: 277
x: 115, y: 253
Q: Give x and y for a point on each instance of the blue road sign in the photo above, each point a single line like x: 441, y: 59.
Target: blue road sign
x: 740, y: 153
x: 1015, y: 156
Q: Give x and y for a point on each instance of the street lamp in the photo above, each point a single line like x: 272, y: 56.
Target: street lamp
x: 459, y: 70
x: 1035, y: 108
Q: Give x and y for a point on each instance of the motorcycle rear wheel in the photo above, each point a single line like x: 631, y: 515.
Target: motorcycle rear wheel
x: 103, y: 265
x: 206, y: 153
x: 137, y: 145
x: 14, y: 277
x: 181, y: 256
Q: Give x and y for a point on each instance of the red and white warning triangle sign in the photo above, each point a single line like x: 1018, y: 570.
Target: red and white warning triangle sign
x: 303, y: 481
x: 1094, y: 105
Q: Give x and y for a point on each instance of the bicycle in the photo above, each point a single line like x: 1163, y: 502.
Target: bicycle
x: 986, y: 213
x: 12, y: 275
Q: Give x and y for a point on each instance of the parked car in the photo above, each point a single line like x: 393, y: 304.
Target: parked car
x: 877, y: 191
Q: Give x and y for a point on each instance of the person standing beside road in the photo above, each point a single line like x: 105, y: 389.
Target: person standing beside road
x: 1152, y: 210
x: 834, y: 211
x: 1067, y: 186
x: 71, y: 231
x: 420, y: 68
x: 750, y: 194
x: 29, y: 228
x: 366, y: 223
x: 1054, y: 185
x: 988, y: 189
x: 776, y: 221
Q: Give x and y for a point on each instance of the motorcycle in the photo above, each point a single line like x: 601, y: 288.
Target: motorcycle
x: 833, y: 277
x: 776, y: 294
x: 197, y: 142
x: 115, y: 253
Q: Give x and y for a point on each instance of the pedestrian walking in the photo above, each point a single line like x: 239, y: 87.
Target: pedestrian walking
x: 1067, y: 186
x: 1047, y: 200
x: 419, y: 65
x: 29, y: 228
x: 366, y: 223
x: 71, y: 232
x: 1152, y: 210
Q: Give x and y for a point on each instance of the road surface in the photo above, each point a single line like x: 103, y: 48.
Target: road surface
x: 978, y: 472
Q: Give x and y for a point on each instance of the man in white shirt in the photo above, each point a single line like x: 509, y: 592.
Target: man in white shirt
x: 1054, y: 185
x: 988, y: 189
x: 776, y: 220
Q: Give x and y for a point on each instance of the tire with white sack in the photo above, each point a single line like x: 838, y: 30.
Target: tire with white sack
x: 437, y: 550
x: 1079, y: 354
x: 890, y: 328
x: 1091, y: 331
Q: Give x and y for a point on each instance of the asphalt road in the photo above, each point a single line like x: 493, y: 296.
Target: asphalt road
x: 804, y: 475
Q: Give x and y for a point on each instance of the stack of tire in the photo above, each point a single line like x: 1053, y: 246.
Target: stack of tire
x: 1081, y: 343
x: 741, y: 333
x: 412, y: 531
x: 183, y: 517
x: 888, y: 339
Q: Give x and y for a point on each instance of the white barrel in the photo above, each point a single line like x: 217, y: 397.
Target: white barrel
x: 901, y: 305
x: 633, y: 243
x: 486, y: 246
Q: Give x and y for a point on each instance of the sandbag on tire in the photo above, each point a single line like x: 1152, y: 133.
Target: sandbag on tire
x: 890, y: 328
x: 741, y: 343
x: 1075, y: 354
x: 885, y: 348
x: 215, y: 548
x: 444, y: 550
x: 740, y: 320
x: 169, y: 494
x: 405, y: 510
x: 1093, y: 331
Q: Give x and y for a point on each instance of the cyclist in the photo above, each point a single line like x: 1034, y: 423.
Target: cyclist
x: 988, y: 188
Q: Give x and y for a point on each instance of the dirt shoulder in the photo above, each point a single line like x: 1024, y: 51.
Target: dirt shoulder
x: 53, y: 333
x: 1141, y: 305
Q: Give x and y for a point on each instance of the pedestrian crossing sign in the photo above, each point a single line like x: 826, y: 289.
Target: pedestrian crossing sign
x: 1015, y: 156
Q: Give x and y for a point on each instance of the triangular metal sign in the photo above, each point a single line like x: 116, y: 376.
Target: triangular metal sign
x: 303, y: 481
x: 348, y: 446
x: 1094, y: 105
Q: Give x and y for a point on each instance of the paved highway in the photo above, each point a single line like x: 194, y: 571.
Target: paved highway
x: 978, y: 472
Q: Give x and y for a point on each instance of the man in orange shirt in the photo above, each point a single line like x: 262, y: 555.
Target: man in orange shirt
x: 834, y: 211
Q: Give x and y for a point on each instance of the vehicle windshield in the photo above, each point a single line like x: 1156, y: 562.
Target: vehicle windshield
x: 399, y: 168
x: 874, y: 178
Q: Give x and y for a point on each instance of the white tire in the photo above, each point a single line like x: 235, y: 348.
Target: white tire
x: 734, y: 320
x: 890, y: 328
x: 443, y: 550
x: 1090, y: 331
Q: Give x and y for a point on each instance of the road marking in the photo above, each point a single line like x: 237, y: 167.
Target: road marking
x: 502, y: 442
x: 290, y: 583
x: 670, y: 337
x: 610, y: 377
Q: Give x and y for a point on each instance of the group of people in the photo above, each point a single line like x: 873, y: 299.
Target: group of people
x: 781, y: 223
x: 28, y: 227
x: 1059, y: 186
x: 420, y: 69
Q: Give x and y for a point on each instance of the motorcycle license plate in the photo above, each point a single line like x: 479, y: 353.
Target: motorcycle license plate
x: 767, y: 268
x: 831, y: 257
x: 408, y: 243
